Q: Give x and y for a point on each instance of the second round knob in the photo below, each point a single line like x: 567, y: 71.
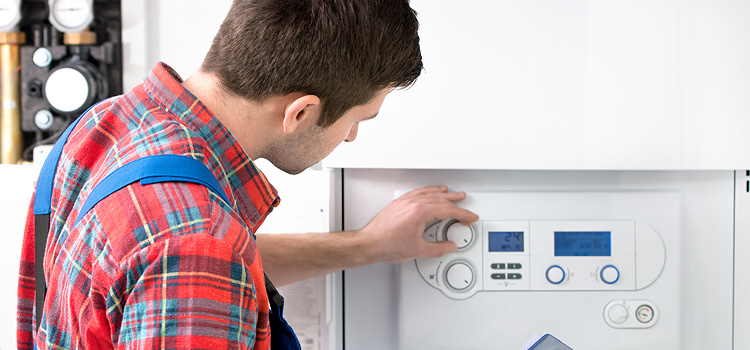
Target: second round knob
x: 459, y: 276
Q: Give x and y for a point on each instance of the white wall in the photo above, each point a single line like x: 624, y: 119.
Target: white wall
x: 177, y: 32
x: 653, y: 84
x: 16, y: 186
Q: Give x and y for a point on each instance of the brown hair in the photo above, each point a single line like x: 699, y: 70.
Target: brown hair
x: 342, y: 51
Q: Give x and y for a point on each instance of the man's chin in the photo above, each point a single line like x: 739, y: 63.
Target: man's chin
x: 290, y: 169
x: 293, y: 171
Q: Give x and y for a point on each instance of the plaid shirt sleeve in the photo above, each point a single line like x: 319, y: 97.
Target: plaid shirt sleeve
x: 189, y: 289
x: 181, y: 298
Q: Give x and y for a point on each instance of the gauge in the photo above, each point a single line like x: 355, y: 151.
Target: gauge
x: 10, y: 14
x: 70, y: 16
x: 71, y: 89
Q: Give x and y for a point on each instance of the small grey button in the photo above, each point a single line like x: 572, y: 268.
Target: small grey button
x: 498, y: 276
x: 498, y: 266
x: 514, y: 276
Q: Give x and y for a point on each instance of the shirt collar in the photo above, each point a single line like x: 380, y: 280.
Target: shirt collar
x: 252, y: 194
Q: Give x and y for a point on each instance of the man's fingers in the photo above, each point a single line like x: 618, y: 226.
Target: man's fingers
x: 425, y: 190
x: 439, y: 197
x: 437, y: 249
x: 451, y: 211
x: 455, y: 196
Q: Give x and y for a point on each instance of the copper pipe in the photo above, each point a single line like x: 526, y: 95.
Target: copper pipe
x: 11, y: 141
x: 80, y: 38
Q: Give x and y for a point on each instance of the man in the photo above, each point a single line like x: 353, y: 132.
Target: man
x: 172, y: 264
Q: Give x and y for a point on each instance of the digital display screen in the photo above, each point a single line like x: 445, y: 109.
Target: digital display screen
x: 583, y: 243
x: 503, y: 241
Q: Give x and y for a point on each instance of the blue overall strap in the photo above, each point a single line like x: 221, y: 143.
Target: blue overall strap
x: 42, y: 210
x: 149, y: 170
x: 282, y: 334
x: 44, y: 186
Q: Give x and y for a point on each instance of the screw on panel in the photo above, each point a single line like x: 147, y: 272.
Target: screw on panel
x: 44, y: 119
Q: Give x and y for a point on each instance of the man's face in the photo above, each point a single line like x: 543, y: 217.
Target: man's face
x: 307, y: 147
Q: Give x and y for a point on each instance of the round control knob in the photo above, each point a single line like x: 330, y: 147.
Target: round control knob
x: 459, y: 276
x: 460, y: 234
x: 610, y: 274
x: 555, y: 274
x: 618, y: 313
x: 644, y: 314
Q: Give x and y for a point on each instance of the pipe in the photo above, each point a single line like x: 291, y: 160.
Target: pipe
x: 11, y: 140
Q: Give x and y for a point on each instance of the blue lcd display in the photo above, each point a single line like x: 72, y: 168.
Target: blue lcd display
x: 583, y: 243
x: 505, y: 241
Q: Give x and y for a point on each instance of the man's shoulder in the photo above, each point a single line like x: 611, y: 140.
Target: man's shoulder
x: 153, y: 213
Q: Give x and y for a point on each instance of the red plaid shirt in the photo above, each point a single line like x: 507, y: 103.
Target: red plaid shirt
x: 165, y: 265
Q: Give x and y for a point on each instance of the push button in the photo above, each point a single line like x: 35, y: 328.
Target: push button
x: 498, y: 276
x: 514, y: 276
x: 610, y: 274
x: 498, y: 266
x: 514, y: 266
x: 555, y: 274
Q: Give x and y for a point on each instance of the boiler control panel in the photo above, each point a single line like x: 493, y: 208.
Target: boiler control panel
x: 498, y: 255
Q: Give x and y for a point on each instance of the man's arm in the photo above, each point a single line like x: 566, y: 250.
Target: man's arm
x: 190, y: 291
x: 393, y: 235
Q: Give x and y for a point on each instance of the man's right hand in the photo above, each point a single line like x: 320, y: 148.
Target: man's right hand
x: 395, y: 234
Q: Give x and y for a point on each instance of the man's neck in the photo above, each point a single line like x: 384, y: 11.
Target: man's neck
x: 247, y: 121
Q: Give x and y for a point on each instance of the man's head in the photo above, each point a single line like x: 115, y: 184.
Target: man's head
x: 342, y: 51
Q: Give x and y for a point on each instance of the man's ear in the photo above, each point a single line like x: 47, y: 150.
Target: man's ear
x: 300, y: 110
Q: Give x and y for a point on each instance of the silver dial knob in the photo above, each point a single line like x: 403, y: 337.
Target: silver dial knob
x: 618, y: 314
x: 459, y: 276
x: 460, y: 234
